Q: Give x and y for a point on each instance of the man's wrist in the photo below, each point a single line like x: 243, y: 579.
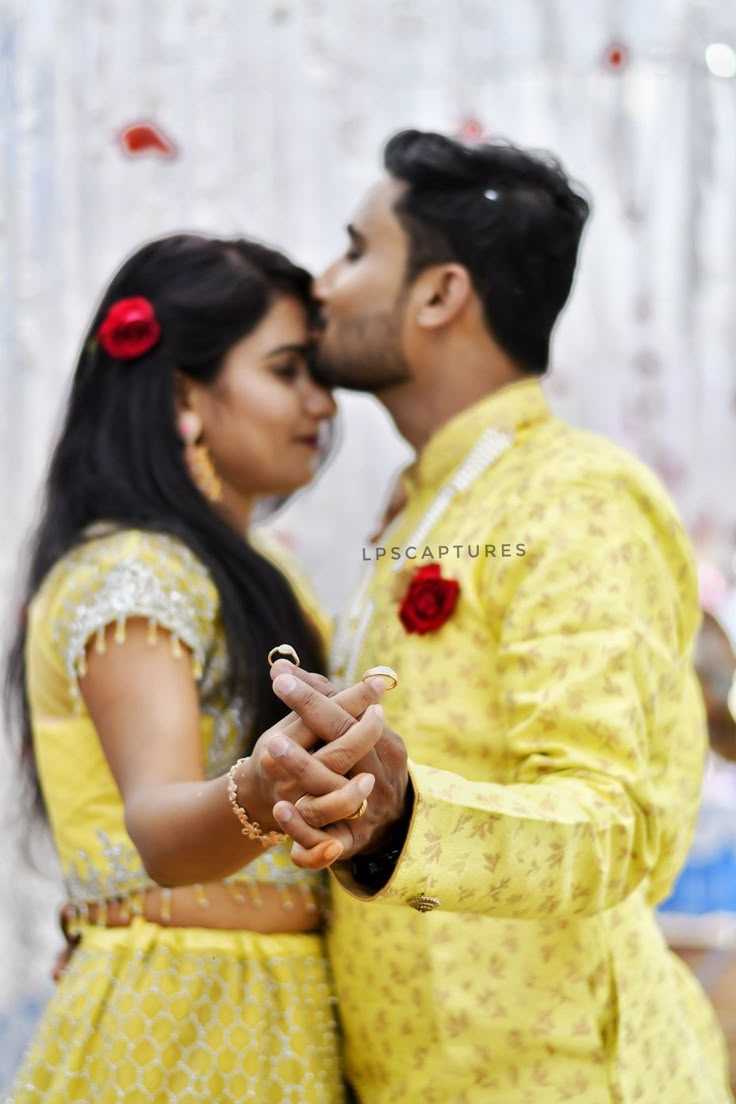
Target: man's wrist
x: 375, y: 869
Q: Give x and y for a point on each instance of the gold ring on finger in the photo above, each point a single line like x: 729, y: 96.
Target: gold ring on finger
x: 283, y: 651
x: 296, y: 803
x: 383, y: 672
x: 359, y: 812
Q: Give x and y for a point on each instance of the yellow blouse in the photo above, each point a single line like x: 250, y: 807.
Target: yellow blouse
x: 103, y: 582
x: 556, y: 739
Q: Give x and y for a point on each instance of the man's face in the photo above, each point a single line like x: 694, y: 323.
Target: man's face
x: 363, y: 298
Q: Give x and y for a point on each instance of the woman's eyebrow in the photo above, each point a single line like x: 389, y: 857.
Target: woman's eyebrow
x: 301, y: 348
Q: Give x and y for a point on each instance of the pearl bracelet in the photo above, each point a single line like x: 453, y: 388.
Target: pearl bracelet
x: 250, y: 828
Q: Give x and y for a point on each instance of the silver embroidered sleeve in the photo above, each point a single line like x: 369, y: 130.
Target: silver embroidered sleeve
x: 137, y: 588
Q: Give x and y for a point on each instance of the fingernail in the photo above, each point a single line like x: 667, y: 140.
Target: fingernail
x: 284, y: 684
x: 278, y: 746
x: 377, y: 711
x: 282, y: 812
x: 332, y: 851
x: 365, y: 785
x: 377, y: 684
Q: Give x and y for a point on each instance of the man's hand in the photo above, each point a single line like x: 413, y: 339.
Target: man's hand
x: 345, y: 716
x: 316, y: 819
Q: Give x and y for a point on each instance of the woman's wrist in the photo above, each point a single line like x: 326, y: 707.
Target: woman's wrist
x: 242, y: 801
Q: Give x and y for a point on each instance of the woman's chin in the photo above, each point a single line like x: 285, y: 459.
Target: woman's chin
x: 295, y: 482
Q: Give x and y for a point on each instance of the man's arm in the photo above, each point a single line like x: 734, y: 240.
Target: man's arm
x: 603, y: 731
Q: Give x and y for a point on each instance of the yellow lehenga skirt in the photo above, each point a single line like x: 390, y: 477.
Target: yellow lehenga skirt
x: 152, y: 1015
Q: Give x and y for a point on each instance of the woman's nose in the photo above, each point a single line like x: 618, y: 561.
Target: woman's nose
x: 320, y: 403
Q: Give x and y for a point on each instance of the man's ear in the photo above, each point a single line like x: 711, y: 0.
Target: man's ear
x: 443, y: 291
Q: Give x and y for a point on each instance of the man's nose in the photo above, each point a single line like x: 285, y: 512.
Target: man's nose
x: 322, y: 284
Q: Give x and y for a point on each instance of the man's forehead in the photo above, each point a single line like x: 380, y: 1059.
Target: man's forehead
x: 375, y: 211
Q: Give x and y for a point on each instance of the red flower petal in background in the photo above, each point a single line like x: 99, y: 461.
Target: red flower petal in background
x: 616, y: 57
x: 146, y: 137
x: 471, y: 130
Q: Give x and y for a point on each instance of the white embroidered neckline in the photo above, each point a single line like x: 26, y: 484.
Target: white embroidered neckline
x: 353, y: 626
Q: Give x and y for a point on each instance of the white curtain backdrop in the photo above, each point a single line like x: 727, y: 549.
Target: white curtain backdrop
x: 278, y: 110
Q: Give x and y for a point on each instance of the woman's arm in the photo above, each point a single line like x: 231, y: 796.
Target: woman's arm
x: 143, y: 702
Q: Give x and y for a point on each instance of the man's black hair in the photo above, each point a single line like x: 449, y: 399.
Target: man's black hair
x: 510, y: 217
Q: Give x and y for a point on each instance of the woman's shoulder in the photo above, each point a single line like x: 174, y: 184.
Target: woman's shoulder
x: 134, y: 561
x: 115, y: 574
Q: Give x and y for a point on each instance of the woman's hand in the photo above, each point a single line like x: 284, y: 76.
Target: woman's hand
x: 325, y: 718
x: 143, y: 702
x: 321, y: 818
x: 71, y: 942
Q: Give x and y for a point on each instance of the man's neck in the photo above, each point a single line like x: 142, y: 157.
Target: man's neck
x: 419, y: 410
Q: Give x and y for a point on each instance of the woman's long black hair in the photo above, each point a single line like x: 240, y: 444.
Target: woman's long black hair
x: 119, y: 457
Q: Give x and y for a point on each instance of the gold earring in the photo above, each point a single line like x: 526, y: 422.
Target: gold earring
x: 204, y: 474
x: 201, y: 468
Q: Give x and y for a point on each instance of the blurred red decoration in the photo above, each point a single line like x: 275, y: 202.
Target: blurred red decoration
x: 616, y: 57
x: 712, y: 586
x: 471, y: 130
x: 145, y: 137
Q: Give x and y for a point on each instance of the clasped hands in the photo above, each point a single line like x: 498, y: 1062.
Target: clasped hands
x: 329, y: 754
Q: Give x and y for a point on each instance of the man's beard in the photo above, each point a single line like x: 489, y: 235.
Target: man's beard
x: 366, y: 357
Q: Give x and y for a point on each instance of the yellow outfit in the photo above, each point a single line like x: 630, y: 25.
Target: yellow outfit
x: 556, y: 740
x: 148, y: 1014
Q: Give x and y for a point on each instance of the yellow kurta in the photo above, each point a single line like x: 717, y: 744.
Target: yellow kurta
x: 149, y: 1014
x: 556, y: 741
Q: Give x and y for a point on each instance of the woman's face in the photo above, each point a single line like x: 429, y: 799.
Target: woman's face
x: 261, y: 418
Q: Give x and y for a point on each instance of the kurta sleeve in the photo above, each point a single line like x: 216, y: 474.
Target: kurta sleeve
x: 603, y: 727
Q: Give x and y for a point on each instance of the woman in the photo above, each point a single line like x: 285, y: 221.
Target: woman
x: 142, y: 682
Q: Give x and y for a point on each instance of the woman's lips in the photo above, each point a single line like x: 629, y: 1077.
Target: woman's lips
x: 310, y: 441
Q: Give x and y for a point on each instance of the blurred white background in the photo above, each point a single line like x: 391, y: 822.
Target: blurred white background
x: 275, y: 112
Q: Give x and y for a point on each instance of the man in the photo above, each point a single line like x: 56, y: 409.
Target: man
x: 493, y: 936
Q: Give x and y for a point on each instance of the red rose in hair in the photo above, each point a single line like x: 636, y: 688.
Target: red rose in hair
x: 429, y: 601
x: 130, y: 329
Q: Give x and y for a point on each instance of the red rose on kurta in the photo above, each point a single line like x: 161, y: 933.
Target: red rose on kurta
x: 429, y: 601
x: 130, y: 329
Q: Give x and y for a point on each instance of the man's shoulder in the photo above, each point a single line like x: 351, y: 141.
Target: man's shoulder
x: 571, y: 458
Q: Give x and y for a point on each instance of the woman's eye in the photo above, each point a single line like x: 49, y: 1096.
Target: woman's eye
x: 353, y: 254
x: 288, y: 371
